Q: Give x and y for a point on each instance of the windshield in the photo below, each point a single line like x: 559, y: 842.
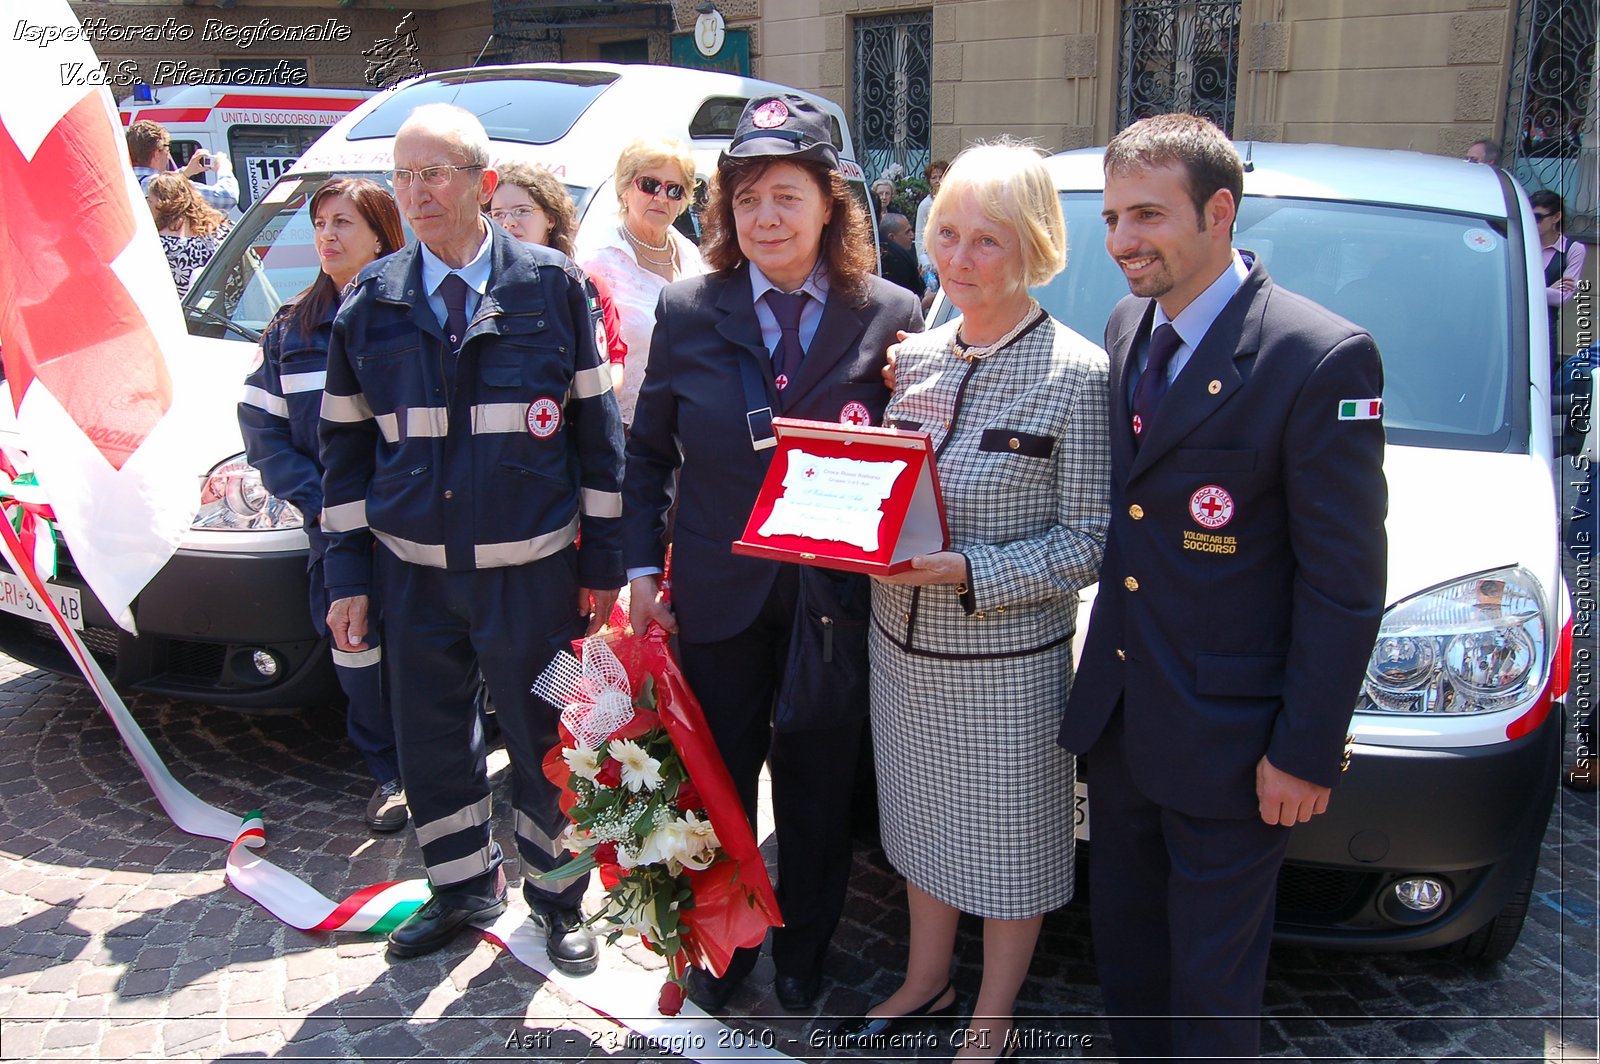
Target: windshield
x: 1431, y: 287
x: 268, y: 259
x: 536, y: 107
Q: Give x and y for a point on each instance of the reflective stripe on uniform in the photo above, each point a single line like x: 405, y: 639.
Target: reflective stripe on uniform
x: 588, y: 383
x: 304, y: 382
x: 601, y: 503
x: 530, y: 832
x: 409, y: 551
x: 449, y: 873
x: 357, y: 659
x: 420, y: 421
x: 523, y: 551
x: 345, y: 517
x: 262, y: 399
x: 471, y: 816
x: 345, y: 409
x: 499, y: 417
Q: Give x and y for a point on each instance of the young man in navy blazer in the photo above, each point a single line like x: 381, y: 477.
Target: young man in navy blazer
x: 1239, y: 600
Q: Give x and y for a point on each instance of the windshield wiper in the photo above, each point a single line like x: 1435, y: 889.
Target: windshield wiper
x: 199, y: 314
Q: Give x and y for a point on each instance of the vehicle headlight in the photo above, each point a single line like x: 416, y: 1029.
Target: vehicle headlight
x: 234, y: 499
x: 1476, y: 645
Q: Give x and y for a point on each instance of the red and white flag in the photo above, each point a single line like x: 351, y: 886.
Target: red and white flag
x: 90, y: 327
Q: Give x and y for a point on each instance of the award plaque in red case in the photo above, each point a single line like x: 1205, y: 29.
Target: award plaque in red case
x: 847, y: 497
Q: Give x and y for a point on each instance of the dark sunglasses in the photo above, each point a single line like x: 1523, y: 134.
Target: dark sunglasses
x: 650, y: 186
x: 1542, y: 215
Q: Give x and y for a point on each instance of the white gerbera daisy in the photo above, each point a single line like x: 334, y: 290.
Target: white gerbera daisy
x: 640, y: 771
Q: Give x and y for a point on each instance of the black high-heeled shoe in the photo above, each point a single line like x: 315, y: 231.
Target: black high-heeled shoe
x: 864, y: 1030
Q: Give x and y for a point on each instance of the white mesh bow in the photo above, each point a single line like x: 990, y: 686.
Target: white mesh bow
x: 594, y: 693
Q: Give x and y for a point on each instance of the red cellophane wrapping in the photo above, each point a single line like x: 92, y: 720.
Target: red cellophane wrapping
x: 733, y: 899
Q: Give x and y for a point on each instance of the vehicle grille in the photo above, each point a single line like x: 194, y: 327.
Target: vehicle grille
x: 199, y: 662
x: 1306, y: 892
x: 102, y: 643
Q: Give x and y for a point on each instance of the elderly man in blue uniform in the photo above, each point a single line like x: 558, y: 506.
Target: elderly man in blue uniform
x: 1240, y: 596
x: 469, y: 427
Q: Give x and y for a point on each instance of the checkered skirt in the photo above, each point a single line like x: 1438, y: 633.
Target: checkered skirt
x: 974, y: 796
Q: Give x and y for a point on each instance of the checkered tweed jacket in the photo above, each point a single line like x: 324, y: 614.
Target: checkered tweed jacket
x: 1023, y: 456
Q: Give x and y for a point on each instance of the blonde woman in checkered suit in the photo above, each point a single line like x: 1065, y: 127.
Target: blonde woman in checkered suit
x: 972, y: 648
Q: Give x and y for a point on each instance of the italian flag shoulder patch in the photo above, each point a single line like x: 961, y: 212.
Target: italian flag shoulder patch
x: 1360, y: 409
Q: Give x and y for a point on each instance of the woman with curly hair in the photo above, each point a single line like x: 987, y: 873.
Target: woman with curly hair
x: 190, y: 228
x: 536, y: 208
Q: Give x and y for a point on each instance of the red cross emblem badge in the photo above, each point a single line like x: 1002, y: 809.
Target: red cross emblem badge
x: 854, y: 413
x: 1211, y: 506
x: 769, y: 115
x: 782, y: 382
x: 1138, y: 424
x: 544, y: 417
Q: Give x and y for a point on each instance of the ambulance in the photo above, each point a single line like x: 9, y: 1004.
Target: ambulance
x: 263, y: 129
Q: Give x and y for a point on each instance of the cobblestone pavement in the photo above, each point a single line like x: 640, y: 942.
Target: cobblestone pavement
x: 121, y: 941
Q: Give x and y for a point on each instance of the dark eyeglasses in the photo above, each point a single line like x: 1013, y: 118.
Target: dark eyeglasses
x: 1542, y: 215
x: 650, y: 186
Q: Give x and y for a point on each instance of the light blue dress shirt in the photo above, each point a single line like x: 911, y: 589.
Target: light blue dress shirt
x: 475, y: 273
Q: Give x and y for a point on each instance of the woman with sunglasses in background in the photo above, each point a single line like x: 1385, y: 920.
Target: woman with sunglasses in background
x: 643, y: 254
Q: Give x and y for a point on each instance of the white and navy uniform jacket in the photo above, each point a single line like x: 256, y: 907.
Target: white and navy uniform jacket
x: 540, y: 456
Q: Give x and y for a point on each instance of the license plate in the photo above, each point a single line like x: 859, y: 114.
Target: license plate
x: 1080, y: 811
x: 18, y: 598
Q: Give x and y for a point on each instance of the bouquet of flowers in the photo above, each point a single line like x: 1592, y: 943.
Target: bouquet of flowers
x: 652, y: 807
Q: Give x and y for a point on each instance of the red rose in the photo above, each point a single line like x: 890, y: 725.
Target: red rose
x: 606, y: 853
x: 671, y: 999
x: 687, y: 797
x: 610, y: 774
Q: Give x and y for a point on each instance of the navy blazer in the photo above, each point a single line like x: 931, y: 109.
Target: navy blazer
x: 1245, y: 562
x: 691, y: 413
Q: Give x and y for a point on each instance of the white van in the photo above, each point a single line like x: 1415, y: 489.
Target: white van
x: 225, y: 622
x: 263, y: 129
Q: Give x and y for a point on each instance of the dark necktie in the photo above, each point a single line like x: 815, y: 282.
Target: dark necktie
x: 786, y: 359
x: 1152, y: 386
x: 454, y: 292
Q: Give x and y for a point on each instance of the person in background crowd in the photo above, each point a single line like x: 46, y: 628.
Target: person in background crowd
x: 1237, y: 606
x: 354, y: 222
x: 972, y: 648
x: 933, y: 175
x: 475, y: 445
x: 1486, y: 152
x: 190, y: 231
x: 150, y: 149
x: 792, y: 322
x: 644, y: 253
x: 1563, y: 262
x: 899, y: 261
x: 535, y: 207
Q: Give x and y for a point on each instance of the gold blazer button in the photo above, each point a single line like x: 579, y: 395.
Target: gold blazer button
x: 1130, y: 583
x: 1014, y: 443
x: 1136, y: 512
x: 1214, y: 387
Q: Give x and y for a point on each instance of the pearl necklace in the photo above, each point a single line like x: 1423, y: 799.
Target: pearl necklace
x: 973, y: 353
x: 637, y: 242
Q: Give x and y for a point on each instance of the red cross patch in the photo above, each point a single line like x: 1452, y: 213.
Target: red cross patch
x: 1211, y: 506
x: 782, y: 382
x: 854, y: 413
x: 1138, y: 424
x: 769, y: 115
x: 544, y: 417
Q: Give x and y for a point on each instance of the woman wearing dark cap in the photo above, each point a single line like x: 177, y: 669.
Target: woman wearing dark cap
x: 792, y: 320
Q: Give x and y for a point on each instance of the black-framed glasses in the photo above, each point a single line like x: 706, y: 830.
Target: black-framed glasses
x: 514, y: 214
x: 437, y: 176
x: 650, y: 186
